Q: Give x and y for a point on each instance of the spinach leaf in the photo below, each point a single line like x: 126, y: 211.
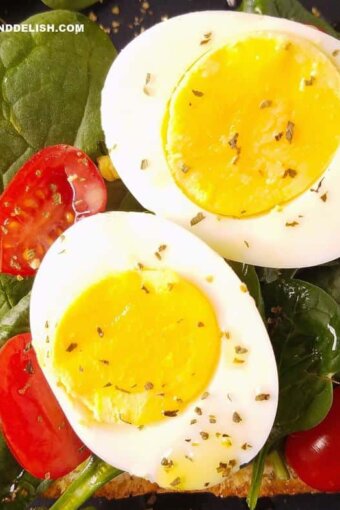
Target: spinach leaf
x: 119, y: 198
x: 72, y: 5
x: 326, y: 277
x: 14, y: 306
x: 270, y: 274
x: 50, y: 88
x: 23, y: 489
x: 304, y: 324
x: 291, y: 9
x: 9, y: 468
x: 12, y: 291
x: 15, y: 321
x: 248, y: 275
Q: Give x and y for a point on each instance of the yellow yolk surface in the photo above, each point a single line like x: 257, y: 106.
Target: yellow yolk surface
x: 253, y: 124
x: 137, y: 346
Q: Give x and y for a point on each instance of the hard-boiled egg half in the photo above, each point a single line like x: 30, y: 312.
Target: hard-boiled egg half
x: 154, y: 349
x: 229, y: 124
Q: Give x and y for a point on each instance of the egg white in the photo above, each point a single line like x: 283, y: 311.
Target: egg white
x: 117, y: 241
x: 132, y: 125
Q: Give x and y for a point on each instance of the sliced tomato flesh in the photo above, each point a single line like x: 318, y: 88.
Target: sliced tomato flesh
x: 31, y: 420
x: 56, y: 187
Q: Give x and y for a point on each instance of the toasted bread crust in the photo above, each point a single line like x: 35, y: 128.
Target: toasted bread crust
x: 125, y: 486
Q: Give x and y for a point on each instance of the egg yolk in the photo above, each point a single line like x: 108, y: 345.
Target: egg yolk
x: 137, y: 347
x: 253, y: 124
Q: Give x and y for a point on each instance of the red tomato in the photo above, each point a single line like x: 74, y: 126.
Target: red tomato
x: 315, y: 454
x: 56, y: 187
x: 32, y: 422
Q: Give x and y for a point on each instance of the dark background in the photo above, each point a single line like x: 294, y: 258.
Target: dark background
x: 131, y: 19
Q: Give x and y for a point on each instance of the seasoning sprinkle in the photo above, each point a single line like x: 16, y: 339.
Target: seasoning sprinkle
x: 189, y: 458
x: 23, y: 390
x: 317, y: 189
x: 292, y: 223
x: 146, y: 290
x: 171, y: 414
x: 279, y: 136
x: 212, y: 419
x: 310, y: 81
x: 107, y: 385
x: 123, y: 419
x: 204, y: 435
x: 148, y: 386
x: 71, y: 347
x: 158, y: 255
x: 266, y: 103
x: 193, y: 422
x: 236, y: 417
x: 262, y: 396
x: 205, y: 395
x: 289, y: 173
x: 104, y: 361
x: 166, y: 462
x: 123, y: 390
x: 162, y: 247
x: 197, y: 93
x: 238, y: 361
x: 140, y: 266
x: 100, y: 332
x: 185, y: 168
x: 197, y: 219
x: 198, y: 411
x: 336, y: 53
x: 144, y: 164
x: 200, y: 324
x: 246, y: 243
x: 175, y: 482
x: 47, y: 325
x: 324, y: 197
x: 244, y: 287
x: 147, y: 78
x: 246, y: 446
x: 29, y: 367
x: 290, y: 131
x: 240, y: 350
x: 233, y: 141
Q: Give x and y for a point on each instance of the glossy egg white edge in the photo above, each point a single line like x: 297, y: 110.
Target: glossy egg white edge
x: 115, y: 241
x: 132, y: 125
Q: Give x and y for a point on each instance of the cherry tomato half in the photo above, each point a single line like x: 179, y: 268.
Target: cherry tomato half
x: 56, y: 187
x: 33, y: 424
x: 315, y: 454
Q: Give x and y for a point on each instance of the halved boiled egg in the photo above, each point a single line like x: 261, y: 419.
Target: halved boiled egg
x: 154, y: 349
x: 229, y: 124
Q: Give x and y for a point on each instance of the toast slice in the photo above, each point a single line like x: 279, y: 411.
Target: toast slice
x: 125, y: 486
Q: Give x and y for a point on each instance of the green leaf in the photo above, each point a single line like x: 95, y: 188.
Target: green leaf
x: 326, y: 277
x: 270, y: 274
x: 15, y: 321
x: 14, y: 306
x: 290, y: 9
x: 51, y: 89
x: 304, y: 323
x: 248, y: 275
x: 95, y: 474
x: 22, y: 491
x: 9, y: 469
x: 72, y: 5
x: 119, y: 198
x: 12, y: 291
